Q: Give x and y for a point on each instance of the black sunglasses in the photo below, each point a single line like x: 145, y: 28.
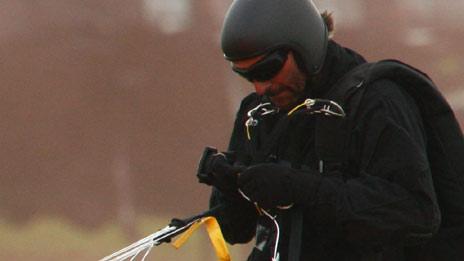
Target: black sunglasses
x: 266, y: 68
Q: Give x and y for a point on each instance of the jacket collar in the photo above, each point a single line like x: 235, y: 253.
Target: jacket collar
x: 338, y: 62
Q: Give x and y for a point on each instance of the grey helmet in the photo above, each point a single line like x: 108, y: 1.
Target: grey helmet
x: 256, y: 27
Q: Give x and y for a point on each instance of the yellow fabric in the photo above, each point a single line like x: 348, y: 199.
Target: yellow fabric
x: 215, y: 235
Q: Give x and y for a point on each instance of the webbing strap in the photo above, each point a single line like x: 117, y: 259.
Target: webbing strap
x: 271, y: 142
x: 296, y: 231
x: 214, y: 233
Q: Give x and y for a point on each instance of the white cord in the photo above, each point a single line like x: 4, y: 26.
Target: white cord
x: 275, y: 256
x: 136, y: 254
x: 133, y: 248
x: 133, y: 253
x: 146, y: 253
x: 148, y: 242
x: 273, y: 218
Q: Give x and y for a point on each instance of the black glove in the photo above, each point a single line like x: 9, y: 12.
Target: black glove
x: 271, y: 185
x: 216, y: 169
x: 224, y: 174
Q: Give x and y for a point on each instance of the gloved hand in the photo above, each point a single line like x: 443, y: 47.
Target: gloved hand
x: 217, y: 170
x: 271, y: 185
x: 224, y: 173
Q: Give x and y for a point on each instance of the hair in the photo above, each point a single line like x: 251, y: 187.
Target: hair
x: 329, y: 22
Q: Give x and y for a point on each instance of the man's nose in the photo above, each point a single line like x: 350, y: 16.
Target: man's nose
x: 261, y: 87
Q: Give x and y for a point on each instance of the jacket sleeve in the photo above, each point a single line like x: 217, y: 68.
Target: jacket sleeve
x: 237, y: 217
x: 390, y: 200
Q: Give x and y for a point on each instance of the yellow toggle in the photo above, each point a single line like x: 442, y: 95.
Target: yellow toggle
x: 215, y: 235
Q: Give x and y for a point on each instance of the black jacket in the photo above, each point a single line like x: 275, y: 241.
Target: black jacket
x: 368, y: 209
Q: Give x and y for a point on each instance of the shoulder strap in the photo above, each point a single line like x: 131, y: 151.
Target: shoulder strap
x: 332, y: 133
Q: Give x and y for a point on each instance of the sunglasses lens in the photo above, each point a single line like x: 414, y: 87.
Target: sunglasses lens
x: 265, y: 69
x: 243, y: 73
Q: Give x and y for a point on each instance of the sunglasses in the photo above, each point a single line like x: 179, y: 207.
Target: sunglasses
x: 266, y: 68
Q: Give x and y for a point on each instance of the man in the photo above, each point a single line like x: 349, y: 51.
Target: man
x: 305, y: 189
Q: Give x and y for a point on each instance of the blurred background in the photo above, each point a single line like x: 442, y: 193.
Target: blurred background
x: 107, y: 105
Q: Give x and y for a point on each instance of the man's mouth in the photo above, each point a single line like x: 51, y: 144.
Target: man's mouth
x: 282, y: 97
x: 275, y: 92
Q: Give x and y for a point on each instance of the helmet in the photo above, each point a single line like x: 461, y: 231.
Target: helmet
x: 256, y: 27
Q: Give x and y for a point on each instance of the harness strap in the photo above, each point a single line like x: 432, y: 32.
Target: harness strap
x: 272, y: 141
x: 296, y: 231
x: 332, y: 133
